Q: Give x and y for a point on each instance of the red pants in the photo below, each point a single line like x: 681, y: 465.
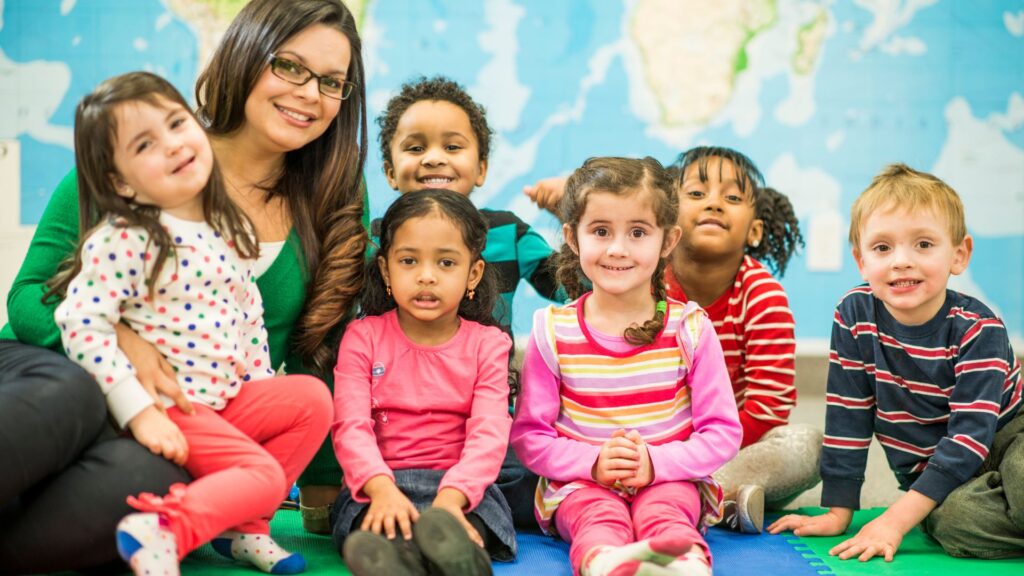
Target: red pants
x: 244, y: 458
x: 596, y: 516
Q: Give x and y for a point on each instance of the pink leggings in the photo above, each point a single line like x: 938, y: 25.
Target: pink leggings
x: 595, y: 516
x: 244, y: 458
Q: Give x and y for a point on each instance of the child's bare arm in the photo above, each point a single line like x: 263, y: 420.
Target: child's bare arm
x: 547, y: 192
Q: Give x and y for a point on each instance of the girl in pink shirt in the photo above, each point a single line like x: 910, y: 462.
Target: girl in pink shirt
x: 421, y: 401
x: 625, y: 409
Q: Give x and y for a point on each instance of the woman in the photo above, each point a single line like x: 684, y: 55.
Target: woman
x: 284, y: 103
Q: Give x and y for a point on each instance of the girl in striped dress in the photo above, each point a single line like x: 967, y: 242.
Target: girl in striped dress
x: 626, y: 407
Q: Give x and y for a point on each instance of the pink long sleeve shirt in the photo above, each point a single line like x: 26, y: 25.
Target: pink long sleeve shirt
x: 553, y: 455
x: 399, y: 405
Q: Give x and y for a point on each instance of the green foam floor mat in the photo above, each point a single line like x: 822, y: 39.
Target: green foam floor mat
x: 917, y: 555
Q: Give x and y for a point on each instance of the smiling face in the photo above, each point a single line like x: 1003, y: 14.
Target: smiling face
x: 716, y: 216
x: 434, y: 146
x: 907, y: 258
x: 282, y: 117
x: 620, y: 243
x: 429, y: 270
x: 162, y: 156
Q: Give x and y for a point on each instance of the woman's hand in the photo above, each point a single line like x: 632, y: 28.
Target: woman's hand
x: 154, y: 430
x: 619, y: 459
x: 388, y: 507
x: 152, y: 370
x: 453, y: 501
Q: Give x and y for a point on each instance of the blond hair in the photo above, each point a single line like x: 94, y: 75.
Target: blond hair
x: 900, y: 186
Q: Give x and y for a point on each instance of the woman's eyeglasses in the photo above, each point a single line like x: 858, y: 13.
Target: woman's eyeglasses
x: 295, y: 73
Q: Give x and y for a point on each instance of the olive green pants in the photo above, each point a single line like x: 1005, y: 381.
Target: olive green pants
x: 984, y: 518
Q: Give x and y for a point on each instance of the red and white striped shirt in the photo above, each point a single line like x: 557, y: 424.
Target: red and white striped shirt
x: 755, y: 326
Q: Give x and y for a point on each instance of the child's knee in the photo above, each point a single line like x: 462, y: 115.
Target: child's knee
x: 313, y: 395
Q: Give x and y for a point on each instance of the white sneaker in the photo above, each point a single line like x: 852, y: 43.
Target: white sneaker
x: 746, y: 513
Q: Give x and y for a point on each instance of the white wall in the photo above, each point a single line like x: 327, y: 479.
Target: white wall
x: 14, y: 238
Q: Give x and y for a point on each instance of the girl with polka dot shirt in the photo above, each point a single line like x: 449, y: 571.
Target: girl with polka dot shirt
x: 172, y: 260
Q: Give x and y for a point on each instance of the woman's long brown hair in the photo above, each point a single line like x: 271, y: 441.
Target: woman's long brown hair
x: 322, y: 182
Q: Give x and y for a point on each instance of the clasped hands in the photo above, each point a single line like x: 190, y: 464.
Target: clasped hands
x: 624, y: 459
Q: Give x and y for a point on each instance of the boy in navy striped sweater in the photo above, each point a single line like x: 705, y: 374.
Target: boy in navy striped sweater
x: 931, y: 374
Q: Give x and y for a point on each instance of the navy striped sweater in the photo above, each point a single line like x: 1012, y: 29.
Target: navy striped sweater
x: 934, y: 395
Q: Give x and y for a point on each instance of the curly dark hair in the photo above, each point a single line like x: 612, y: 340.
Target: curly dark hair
x: 781, y: 234
x: 619, y: 176
x: 437, y: 88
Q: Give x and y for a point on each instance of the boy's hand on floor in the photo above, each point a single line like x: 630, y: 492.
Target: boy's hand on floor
x: 831, y: 523
x: 389, y: 508
x: 877, y: 538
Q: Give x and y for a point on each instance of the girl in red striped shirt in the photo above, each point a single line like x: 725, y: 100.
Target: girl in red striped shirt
x: 730, y: 223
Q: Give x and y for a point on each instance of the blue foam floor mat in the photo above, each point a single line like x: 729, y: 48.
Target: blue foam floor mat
x: 734, y: 554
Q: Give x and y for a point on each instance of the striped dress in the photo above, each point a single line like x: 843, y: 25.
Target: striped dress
x: 644, y: 389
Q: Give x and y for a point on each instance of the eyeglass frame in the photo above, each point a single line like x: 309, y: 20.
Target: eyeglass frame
x: 310, y: 75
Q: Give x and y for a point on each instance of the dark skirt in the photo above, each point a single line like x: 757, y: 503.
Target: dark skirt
x: 420, y: 487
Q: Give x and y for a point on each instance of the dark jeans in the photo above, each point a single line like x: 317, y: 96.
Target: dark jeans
x: 65, y: 472
x: 518, y: 485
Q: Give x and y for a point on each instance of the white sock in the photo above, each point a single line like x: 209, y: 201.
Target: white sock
x: 147, y: 544
x: 656, y: 551
x: 261, y: 551
x: 691, y: 564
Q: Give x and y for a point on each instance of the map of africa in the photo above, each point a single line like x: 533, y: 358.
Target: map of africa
x: 820, y: 94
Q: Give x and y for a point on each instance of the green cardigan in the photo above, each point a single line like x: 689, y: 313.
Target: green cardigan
x: 283, y: 287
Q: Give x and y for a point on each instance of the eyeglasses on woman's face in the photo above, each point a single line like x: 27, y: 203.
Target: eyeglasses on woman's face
x: 295, y: 73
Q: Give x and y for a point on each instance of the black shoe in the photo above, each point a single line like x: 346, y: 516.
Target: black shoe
x: 369, y: 554
x: 445, y: 543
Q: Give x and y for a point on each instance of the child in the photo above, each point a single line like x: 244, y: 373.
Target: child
x: 729, y: 221
x: 433, y: 135
x: 928, y: 371
x: 172, y: 261
x: 422, y: 400
x: 626, y: 408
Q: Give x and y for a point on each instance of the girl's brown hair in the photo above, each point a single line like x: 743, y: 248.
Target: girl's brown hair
x: 321, y: 183
x: 622, y: 177
x: 95, y: 136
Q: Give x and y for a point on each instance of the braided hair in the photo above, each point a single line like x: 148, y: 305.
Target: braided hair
x: 622, y: 177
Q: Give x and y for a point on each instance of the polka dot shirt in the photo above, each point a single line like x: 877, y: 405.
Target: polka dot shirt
x: 205, y: 314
